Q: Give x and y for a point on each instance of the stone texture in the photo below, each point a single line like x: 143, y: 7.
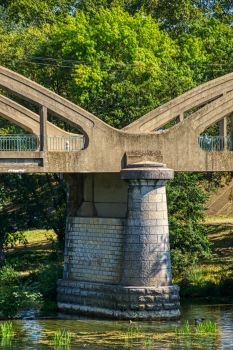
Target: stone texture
x: 93, y: 249
x: 146, y: 232
x: 120, y: 302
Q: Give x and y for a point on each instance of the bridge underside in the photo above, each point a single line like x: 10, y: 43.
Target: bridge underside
x: 117, y: 254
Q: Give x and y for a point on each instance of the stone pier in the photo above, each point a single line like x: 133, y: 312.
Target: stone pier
x: 120, y: 266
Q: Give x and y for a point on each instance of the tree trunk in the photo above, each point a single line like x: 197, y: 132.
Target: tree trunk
x: 2, y: 253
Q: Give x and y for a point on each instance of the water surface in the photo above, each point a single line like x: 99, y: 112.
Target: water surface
x: 100, y: 334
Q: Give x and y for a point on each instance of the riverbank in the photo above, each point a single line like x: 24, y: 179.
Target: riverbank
x: 212, y: 278
x: 31, y: 272
x: 29, y: 275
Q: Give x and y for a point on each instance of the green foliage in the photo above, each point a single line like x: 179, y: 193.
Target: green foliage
x: 62, y: 338
x: 184, y: 330
x: 175, y: 16
x: 48, y: 308
x: 147, y: 342
x: 201, y: 327
x: 7, y: 329
x: 188, y: 236
x: 14, y: 293
x: 37, y: 12
x: 116, y: 93
x: 40, y: 196
x: 47, y: 277
x: 206, y: 327
x: 7, y: 275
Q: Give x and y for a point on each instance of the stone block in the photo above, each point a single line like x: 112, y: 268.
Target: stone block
x: 123, y: 306
x: 137, y: 291
x: 139, y: 230
x: 154, y: 291
x: 147, y: 223
x: 132, y: 239
x: 160, y: 247
x: 139, y: 307
x: 163, y: 238
x: 169, y: 306
x: 155, y: 198
x: 154, y: 307
x: 162, y: 222
x: 146, y: 299
x: 174, y: 297
x: 156, y: 230
x: 148, y: 238
x: 156, y: 215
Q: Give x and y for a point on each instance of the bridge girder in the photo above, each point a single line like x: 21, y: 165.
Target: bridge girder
x: 108, y: 149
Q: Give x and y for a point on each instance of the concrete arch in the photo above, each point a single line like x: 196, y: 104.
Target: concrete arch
x: 109, y: 149
x: 184, y: 103
x: 55, y: 104
x: 25, y: 118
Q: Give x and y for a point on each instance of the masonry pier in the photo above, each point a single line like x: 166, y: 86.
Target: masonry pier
x: 117, y: 261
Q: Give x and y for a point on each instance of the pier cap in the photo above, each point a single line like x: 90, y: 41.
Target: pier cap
x: 147, y: 171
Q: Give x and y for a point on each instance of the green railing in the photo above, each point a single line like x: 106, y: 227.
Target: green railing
x: 65, y: 143
x: 216, y: 143
x: 19, y: 143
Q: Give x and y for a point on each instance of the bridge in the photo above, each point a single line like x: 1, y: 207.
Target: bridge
x: 117, y: 253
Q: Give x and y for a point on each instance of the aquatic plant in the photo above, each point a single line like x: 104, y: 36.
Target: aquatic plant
x: 147, y: 343
x: 206, y: 327
x: 184, y: 330
x: 135, y: 330
x: 62, y: 338
x: 7, y: 329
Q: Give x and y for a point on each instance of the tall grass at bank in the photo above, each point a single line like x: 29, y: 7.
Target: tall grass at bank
x: 28, y: 279
x: 212, y: 278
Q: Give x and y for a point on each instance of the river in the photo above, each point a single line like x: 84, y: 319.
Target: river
x: 101, y: 334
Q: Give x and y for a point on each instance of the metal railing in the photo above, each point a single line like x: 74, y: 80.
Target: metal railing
x: 26, y: 142
x: 65, y: 143
x: 19, y: 143
x: 216, y: 143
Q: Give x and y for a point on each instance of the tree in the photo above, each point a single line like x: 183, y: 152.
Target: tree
x: 24, y: 197
x: 186, y: 196
x: 174, y: 16
x: 122, y: 78
x: 38, y: 12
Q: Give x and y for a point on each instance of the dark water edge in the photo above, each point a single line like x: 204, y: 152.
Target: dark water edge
x: 98, y: 334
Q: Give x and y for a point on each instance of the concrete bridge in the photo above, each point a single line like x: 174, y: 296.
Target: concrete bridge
x: 117, y: 254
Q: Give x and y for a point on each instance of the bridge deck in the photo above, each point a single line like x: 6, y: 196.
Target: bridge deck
x: 109, y: 150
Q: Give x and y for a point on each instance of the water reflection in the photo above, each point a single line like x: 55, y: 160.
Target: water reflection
x: 96, y: 334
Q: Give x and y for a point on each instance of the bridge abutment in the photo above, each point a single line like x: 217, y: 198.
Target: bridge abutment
x: 120, y: 266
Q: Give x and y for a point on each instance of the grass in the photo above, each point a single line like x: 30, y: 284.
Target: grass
x: 30, y: 274
x: 206, y: 327
x: 184, y: 330
x: 27, y: 258
x: 6, y: 329
x: 37, y: 240
x: 212, y: 278
x: 201, y: 327
x: 62, y: 338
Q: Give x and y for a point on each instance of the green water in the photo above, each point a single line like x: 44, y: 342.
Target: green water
x: 97, y: 334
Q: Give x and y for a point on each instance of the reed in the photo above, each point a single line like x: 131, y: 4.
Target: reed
x: 184, y: 330
x: 7, y: 329
x: 206, y: 327
x: 62, y: 338
x: 134, y: 330
x: 147, y: 343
